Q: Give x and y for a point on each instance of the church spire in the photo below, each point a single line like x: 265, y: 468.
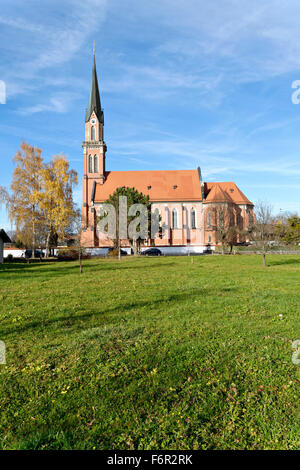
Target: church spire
x: 94, y: 101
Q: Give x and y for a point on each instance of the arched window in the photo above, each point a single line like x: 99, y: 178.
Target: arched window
x: 250, y: 218
x: 193, y: 218
x: 90, y: 164
x: 174, y: 218
x: 93, y: 133
x: 208, y: 219
x: 96, y: 164
x: 221, y: 218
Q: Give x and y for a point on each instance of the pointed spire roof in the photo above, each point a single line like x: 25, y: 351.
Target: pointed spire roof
x: 94, y: 101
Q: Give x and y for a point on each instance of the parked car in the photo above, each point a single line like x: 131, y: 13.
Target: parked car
x: 37, y: 254
x: 208, y: 250
x: 152, y: 252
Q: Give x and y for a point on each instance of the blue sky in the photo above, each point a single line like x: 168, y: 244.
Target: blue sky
x: 183, y: 83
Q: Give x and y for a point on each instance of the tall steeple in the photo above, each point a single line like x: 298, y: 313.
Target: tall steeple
x: 94, y: 101
x: 94, y: 150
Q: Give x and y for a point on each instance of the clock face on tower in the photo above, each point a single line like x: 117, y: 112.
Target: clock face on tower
x: 93, y: 121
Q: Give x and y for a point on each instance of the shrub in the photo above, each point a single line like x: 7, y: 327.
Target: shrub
x: 19, y: 244
x: 114, y: 253
x: 71, y: 254
x: 9, y: 257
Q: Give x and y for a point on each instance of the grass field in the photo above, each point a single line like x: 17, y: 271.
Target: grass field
x: 151, y: 354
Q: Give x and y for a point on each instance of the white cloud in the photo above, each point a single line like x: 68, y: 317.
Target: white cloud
x: 52, y: 42
x: 211, y: 45
x: 251, y: 40
x: 60, y: 103
x: 215, y: 159
x: 20, y: 23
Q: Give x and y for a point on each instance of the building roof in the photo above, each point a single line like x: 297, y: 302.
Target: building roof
x: 168, y: 186
x: 217, y: 194
x: 94, y: 101
x: 13, y: 248
x: 171, y: 185
x: 4, y: 236
x: 225, y: 192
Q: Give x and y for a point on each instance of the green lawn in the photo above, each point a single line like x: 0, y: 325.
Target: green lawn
x: 151, y: 354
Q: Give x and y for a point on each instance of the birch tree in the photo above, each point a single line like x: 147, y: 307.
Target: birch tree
x: 57, y: 206
x: 3, y: 195
x: 24, y: 202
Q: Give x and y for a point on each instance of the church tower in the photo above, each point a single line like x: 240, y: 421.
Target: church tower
x: 94, y: 150
x: 94, y: 145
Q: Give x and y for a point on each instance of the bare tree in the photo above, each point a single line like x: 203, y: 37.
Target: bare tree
x: 3, y: 196
x: 262, y: 230
x: 225, y: 226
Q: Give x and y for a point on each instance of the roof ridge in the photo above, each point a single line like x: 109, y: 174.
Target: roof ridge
x: 215, y: 192
x: 160, y: 185
x: 151, y: 171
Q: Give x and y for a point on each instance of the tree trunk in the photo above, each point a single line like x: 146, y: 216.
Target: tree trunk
x: 33, y: 239
x: 80, y: 261
x: 264, y: 259
x: 47, y: 245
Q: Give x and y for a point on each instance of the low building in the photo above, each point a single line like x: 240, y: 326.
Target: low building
x: 4, y: 238
x: 13, y: 251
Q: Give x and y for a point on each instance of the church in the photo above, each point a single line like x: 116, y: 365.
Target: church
x: 195, y: 212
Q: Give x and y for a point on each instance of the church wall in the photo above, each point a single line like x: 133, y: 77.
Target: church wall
x: 182, y: 235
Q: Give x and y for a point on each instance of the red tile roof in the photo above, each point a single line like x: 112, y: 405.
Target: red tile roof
x: 216, y: 194
x: 171, y: 185
x: 213, y: 192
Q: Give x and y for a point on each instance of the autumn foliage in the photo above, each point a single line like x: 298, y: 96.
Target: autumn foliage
x: 41, y: 201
